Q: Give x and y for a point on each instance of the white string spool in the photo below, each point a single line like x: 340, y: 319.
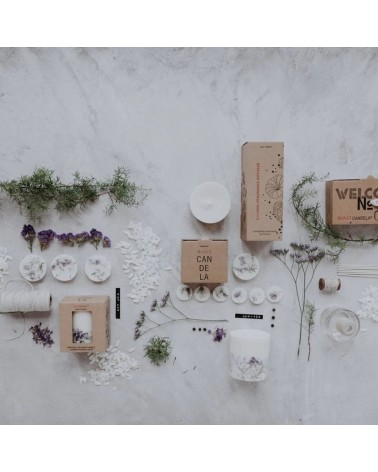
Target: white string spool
x: 24, y: 300
x: 329, y: 285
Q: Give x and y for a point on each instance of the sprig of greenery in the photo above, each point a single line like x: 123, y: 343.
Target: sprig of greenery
x: 158, y: 350
x: 311, y: 218
x: 35, y: 193
x: 310, y: 318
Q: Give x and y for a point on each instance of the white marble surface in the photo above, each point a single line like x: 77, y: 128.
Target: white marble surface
x: 177, y: 117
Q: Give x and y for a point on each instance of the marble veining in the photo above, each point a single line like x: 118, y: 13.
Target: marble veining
x: 177, y: 117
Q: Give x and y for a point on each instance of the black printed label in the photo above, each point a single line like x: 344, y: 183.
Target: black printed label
x: 250, y: 316
x: 118, y: 303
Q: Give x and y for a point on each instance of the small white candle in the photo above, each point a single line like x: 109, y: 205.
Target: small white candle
x: 249, y: 354
x: 345, y: 327
x: 210, y: 202
x: 82, y: 327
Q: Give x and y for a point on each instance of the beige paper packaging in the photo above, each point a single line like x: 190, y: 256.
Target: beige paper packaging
x: 262, y: 166
x: 204, y: 261
x: 98, y: 306
x: 348, y: 202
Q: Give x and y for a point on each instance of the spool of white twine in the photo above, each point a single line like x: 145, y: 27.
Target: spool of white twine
x: 329, y: 285
x: 24, y: 300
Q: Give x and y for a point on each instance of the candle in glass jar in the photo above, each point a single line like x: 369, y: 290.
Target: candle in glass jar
x: 249, y: 354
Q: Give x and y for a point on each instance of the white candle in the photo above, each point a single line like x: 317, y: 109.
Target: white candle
x: 249, y: 354
x: 210, y: 202
x: 345, y: 327
x: 82, y: 327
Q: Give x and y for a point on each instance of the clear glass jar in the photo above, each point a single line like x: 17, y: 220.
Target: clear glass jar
x: 340, y: 324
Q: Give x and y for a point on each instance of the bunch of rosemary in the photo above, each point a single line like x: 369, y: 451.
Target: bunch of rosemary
x: 35, y: 193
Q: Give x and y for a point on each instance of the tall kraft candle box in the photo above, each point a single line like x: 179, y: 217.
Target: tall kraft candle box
x: 262, y: 191
x: 96, y: 307
x: 348, y: 202
x: 204, y: 261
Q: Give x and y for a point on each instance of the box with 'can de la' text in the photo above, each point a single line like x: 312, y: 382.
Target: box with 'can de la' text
x: 204, y: 261
x: 352, y: 202
x: 262, y: 191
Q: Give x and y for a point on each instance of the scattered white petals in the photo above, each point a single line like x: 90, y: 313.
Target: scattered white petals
x: 4, y: 264
x: 110, y: 364
x: 141, y: 261
x: 83, y: 380
x: 369, y: 303
x: 168, y: 268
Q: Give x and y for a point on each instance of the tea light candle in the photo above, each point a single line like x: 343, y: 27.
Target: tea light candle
x: 345, y: 327
x: 210, y: 202
x: 82, y: 326
x: 249, y: 354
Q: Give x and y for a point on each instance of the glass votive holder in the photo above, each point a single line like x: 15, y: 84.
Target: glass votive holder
x: 340, y: 324
x: 249, y: 354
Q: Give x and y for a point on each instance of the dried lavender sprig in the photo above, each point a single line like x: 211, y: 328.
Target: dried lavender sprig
x: 29, y: 234
x: 166, y: 301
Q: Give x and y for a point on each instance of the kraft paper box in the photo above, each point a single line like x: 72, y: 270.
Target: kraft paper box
x: 262, y: 191
x: 348, y: 202
x: 204, y: 261
x: 96, y: 309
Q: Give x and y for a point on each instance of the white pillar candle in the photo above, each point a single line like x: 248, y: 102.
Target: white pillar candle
x: 82, y: 327
x: 249, y: 354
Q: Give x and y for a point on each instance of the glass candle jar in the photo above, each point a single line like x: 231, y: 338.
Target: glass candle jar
x: 340, y: 324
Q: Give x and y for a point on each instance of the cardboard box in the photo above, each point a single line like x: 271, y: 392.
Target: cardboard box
x: 204, y: 261
x: 262, y: 191
x: 96, y: 311
x: 348, y: 201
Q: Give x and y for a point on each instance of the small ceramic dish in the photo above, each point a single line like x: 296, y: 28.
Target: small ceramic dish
x: 245, y: 266
x: 221, y: 293
x: 98, y: 268
x: 274, y: 294
x: 63, y: 268
x: 201, y: 293
x: 239, y: 295
x: 33, y: 268
x: 257, y: 295
x: 184, y: 293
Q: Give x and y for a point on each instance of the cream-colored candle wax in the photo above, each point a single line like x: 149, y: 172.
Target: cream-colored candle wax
x: 82, y: 327
x: 249, y: 354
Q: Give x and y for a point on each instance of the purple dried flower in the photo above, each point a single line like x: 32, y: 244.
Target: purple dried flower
x: 219, y: 334
x: 28, y: 233
x: 95, y: 237
x: 42, y: 335
x: 164, y: 300
x: 106, y: 242
x: 79, y: 337
x: 45, y: 237
x: 82, y: 238
x: 154, y: 305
